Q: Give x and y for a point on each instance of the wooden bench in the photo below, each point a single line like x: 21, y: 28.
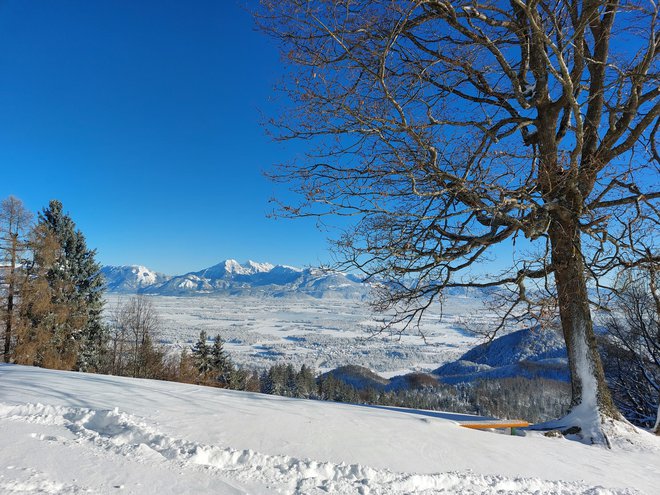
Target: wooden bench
x: 490, y: 424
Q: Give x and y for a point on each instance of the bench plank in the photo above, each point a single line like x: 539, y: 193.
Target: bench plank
x: 483, y: 425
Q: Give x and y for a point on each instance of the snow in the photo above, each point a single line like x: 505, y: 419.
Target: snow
x: 82, y: 433
x: 323, y: 333
x: 585, y: 415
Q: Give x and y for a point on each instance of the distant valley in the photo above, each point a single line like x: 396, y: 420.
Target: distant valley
x: 320, y: 318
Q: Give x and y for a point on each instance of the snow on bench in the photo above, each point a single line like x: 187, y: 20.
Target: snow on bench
x: 499, y: 423
x: 483, y: 422
x: 466, y: 420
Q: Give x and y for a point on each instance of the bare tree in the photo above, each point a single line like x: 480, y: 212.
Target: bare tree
x: 119, y: 341
x: 632, y: 351
x: 135, y: 324
x: 447, y: 129
x: 14, y: 224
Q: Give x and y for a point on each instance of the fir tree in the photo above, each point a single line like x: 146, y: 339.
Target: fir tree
x: 221, y: 364
x: 202, y: 356
x: 290, y: 383
x: 80, y: 285
x: 305, y: 383
x: 274, y: 381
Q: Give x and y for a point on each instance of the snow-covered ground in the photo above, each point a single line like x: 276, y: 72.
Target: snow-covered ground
x: 72, y: 433
x: 324, y: 333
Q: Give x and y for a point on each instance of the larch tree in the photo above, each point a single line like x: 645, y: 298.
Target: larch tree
x: 446, y: 129
x: 15, y: 222
x: 46, y: 326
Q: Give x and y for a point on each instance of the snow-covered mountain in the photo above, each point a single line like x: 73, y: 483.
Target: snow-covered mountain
x: 131, y: 278
x: 362, y: 378
x: 232, y: 277
x: 532, y: 352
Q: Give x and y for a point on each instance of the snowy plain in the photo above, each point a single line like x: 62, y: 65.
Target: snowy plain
x: 321, y: 332
x: 73, y: 433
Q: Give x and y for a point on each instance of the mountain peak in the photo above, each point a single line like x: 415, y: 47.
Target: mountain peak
x: 232, y: 267
x: 258, y: 267
x: 130, y: 278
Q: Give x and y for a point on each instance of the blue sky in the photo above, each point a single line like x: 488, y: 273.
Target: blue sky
x: 143, y: 118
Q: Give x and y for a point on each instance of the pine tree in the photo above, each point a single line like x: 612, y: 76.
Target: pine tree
x: 80, y: 285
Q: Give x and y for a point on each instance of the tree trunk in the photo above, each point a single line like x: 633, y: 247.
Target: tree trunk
x: 590, y: 396
x: 9, y: 322
x: 656, y: 428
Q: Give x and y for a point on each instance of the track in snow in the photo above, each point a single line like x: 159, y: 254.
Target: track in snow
x: 120, y: 434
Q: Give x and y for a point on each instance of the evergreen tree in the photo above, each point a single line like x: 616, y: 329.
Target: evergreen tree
x: 238, y: 379
x: 305, y: 383
x: 290, y: 383
x: 274, y: 381
x: 265, y: 382
x: 202, y: 356
x: 80, y: 285
x: 221, y: 364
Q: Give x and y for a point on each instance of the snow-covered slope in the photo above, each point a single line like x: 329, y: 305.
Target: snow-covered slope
x: 358, y: 377
x: 231, y: 277
x: 533, y: 352
x: 362, y: 378
x: 529, y: 353
x: 131, y: 278
x: 74, y: 433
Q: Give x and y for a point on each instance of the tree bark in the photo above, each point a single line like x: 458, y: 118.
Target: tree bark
x: 656, y: 428
x: 9, y: 322
x: 588, y: 386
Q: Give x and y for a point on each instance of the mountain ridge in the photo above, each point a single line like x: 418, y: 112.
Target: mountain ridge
x: 231, y: 277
